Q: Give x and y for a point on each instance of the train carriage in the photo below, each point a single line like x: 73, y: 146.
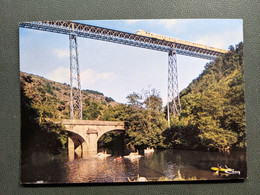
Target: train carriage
x: 179, y: 41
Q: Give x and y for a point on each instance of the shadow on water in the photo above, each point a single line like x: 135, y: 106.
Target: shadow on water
x: 41, y: 166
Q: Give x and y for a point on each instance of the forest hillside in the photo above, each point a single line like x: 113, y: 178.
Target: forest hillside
x: 213, y: 107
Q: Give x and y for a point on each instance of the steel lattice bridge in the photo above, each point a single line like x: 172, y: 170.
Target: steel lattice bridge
x: 74, y: 30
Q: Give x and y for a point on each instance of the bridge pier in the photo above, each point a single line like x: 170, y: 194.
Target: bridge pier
x: 91, y: 142
x: 78, y: 150
x: 71, y: 148
x: 83, y: 148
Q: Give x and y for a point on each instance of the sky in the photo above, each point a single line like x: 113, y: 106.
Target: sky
x: 118, y: 70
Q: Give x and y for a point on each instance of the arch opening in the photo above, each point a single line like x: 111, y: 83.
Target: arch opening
x: 112, y: 141
x: 75, y: 145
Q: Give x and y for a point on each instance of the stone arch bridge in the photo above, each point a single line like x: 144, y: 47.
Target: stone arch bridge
x: 84, y: 134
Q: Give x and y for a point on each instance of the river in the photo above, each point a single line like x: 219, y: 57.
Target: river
x: 160, y: 165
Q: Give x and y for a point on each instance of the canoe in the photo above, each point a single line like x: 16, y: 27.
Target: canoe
x: 133, y: 155
x: 100, y: 154
x: 148, y: 150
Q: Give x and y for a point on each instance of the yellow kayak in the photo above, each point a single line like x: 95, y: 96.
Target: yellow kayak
x: 217, y: 169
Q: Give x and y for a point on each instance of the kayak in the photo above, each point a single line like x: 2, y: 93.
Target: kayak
x: 217, y: 169
x: 224, y: 170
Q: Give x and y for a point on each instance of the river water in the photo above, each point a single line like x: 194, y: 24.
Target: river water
x: 160, y: 165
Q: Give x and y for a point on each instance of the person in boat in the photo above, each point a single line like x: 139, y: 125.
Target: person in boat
x: 228, y: 169
x: 119, y: 158
x: 219, y: 168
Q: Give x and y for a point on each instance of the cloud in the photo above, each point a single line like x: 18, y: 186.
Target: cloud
x: 61, y: 53
x: 168, y: 23
x: 222, y: 40
x: 89, y: 78
x: 131, y: 21
x: 61, y: 74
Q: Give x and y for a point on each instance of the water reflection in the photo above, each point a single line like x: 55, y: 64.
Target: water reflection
x: 167, y: 164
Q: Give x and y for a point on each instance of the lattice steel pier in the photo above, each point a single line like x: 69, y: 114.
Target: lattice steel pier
x: 75, y: 88
x: 173, y: 103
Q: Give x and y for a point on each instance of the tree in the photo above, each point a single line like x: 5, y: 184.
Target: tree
x: 213, y: 110
x: 152, y: 100
x: 231, y: 48
x: 134, y: 99
x: 35, y: 136
x: 143, y: 125
x: 92, y: 110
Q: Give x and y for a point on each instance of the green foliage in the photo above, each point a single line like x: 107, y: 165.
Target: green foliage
x: 134, y: 99
x: 109, y: 99
x: 46, y: 106
x: 49, y: 89
x: 213, y: 112
x: 181, y: 135
x: 87, y: 91
x: 36, y: 136
x: 92, y: 110
x: 119, y: 112
x: 153, y: 103
x: 144, y: 126
x: 112, y: 139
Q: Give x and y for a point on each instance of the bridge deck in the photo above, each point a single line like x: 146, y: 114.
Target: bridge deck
x: 110, y: 35
x: 92, y: 122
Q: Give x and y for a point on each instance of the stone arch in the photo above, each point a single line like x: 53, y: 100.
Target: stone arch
x: 76, y: 138
x: 104, y: 132
x: 77, y: 135
x: 76, y: 145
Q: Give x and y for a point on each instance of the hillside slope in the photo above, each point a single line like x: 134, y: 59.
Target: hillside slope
x: 213, y: 108
x: 52, y: 99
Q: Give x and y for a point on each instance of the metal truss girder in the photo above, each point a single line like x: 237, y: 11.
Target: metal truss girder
x: 75, y: 88
x: 195, y: 54
x: 125, y: 41
x: 116, y: 39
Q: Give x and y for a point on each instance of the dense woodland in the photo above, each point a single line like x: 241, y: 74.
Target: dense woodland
x: 212, y: 117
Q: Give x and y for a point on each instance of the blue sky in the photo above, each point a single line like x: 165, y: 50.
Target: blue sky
x: 118, y: 70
